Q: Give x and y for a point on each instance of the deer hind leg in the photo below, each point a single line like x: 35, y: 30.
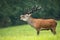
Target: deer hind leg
x: 53, y: 30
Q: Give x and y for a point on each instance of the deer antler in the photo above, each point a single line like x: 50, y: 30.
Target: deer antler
x: 34, y: 8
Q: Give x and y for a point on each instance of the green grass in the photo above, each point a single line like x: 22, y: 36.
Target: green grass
x: 26, y: 32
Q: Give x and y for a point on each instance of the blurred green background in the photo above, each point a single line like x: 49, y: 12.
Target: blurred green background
x: 10, y: 10
x: 12, y: 28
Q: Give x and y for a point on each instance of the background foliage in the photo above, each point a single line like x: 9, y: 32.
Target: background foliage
x: 10, y: 10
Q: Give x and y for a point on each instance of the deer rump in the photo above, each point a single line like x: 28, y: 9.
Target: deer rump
x: 44, y: 24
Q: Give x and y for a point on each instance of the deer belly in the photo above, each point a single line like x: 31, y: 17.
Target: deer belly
x: 44, y: 28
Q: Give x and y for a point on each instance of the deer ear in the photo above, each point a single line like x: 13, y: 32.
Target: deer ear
x: 29, y: 14
x: 26, y: 14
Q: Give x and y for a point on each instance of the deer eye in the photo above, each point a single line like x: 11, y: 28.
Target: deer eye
x: 22, y: 17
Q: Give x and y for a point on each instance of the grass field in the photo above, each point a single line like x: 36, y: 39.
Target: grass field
x: 25, y: 32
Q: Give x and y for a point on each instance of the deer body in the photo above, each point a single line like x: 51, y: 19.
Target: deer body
x: 40, y: 24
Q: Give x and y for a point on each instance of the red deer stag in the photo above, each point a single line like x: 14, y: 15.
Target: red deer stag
x: 40, y: 24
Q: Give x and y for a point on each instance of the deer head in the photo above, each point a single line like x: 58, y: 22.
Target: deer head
x: 25, y: 17
x: 28, y: 14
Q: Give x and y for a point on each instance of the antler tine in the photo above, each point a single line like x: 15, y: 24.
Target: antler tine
x: 28, y: 11
x: 38, y: 7
x: 32, y: 9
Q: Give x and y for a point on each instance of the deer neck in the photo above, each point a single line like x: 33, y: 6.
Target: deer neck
x: 30, y: 21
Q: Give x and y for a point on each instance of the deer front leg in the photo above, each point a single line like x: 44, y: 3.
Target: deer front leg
x: 38, y: 31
